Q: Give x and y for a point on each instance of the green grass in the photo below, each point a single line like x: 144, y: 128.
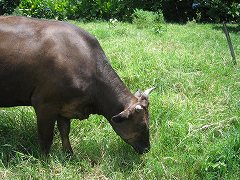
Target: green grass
x: 195, y: 110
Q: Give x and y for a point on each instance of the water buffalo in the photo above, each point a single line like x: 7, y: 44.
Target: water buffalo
x: 62, y: 71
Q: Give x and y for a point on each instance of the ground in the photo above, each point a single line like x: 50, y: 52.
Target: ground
x: 195, y: 110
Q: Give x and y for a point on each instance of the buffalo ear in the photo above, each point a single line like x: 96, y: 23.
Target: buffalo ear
x: 121, y: 117
x: 138, y: 93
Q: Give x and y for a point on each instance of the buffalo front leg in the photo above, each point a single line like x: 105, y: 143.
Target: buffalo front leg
x: 64, y: 129
x: 45, y: 121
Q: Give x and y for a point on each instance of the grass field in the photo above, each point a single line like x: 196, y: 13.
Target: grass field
x: 195, y: 111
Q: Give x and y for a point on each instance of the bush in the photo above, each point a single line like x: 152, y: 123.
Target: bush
x: 220, y: 10
x: 173, y: 10
x: 178, y: 10
x: 91, y: 9
x: 75, y: 9
x: 7, y: 6
x: 57, y: 9
x: 148, y: 19
x: 84, y: 9
x: 144, y: 19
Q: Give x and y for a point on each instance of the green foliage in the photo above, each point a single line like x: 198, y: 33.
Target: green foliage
x: 234, y: 11
x: 148, y: 19
x: 221, y: 10
x: 56, y: 9
x: 67, y: 9
x: 172, y: 10
x: 8, y: 6
x: 177, y: 10
x: 84, y: 9
x: 144, y: 19
x: 206, y: 10
x: 97, y: 9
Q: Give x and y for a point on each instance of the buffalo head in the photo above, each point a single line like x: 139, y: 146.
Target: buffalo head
x: 132, y: 123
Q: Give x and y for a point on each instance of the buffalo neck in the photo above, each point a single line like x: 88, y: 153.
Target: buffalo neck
x: 112, y: 96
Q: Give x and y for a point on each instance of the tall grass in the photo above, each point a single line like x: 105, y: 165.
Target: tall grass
x: 195, y: 110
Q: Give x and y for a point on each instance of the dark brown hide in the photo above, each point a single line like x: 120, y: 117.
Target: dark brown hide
x: 62, y: 72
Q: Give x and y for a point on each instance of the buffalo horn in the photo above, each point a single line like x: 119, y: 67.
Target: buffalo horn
x: 148, y: 91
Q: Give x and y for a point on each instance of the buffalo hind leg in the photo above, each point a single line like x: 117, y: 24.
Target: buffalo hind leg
x: 64, y: 129
x: 45, y: 121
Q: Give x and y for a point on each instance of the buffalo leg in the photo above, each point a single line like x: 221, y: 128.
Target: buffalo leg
x: 45, y: 121
x: 64, y: 129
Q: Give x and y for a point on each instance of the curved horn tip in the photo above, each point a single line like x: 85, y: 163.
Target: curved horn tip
x: 148, y: 91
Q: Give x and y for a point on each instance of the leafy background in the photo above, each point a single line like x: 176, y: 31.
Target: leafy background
x: 173, y: 10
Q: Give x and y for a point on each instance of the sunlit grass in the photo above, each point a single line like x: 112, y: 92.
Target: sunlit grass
x: 195, y: 128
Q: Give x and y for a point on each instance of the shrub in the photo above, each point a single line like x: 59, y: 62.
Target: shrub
x: 91, y: 9
x: 148, y: 19
x: 84, y: 9
x: 220, y: 10
x: 178, y: 10
x: 173, y: 10
x: 44, y: 8
x: 7, y: 6
x: 144, y: 19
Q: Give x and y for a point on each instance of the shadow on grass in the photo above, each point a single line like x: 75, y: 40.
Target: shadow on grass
x: 15, y: 140
x: 123, y: 157
x: 114, y: 156
x: 19, y: 142
x: 18, y: 145
x: 231, y: 28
